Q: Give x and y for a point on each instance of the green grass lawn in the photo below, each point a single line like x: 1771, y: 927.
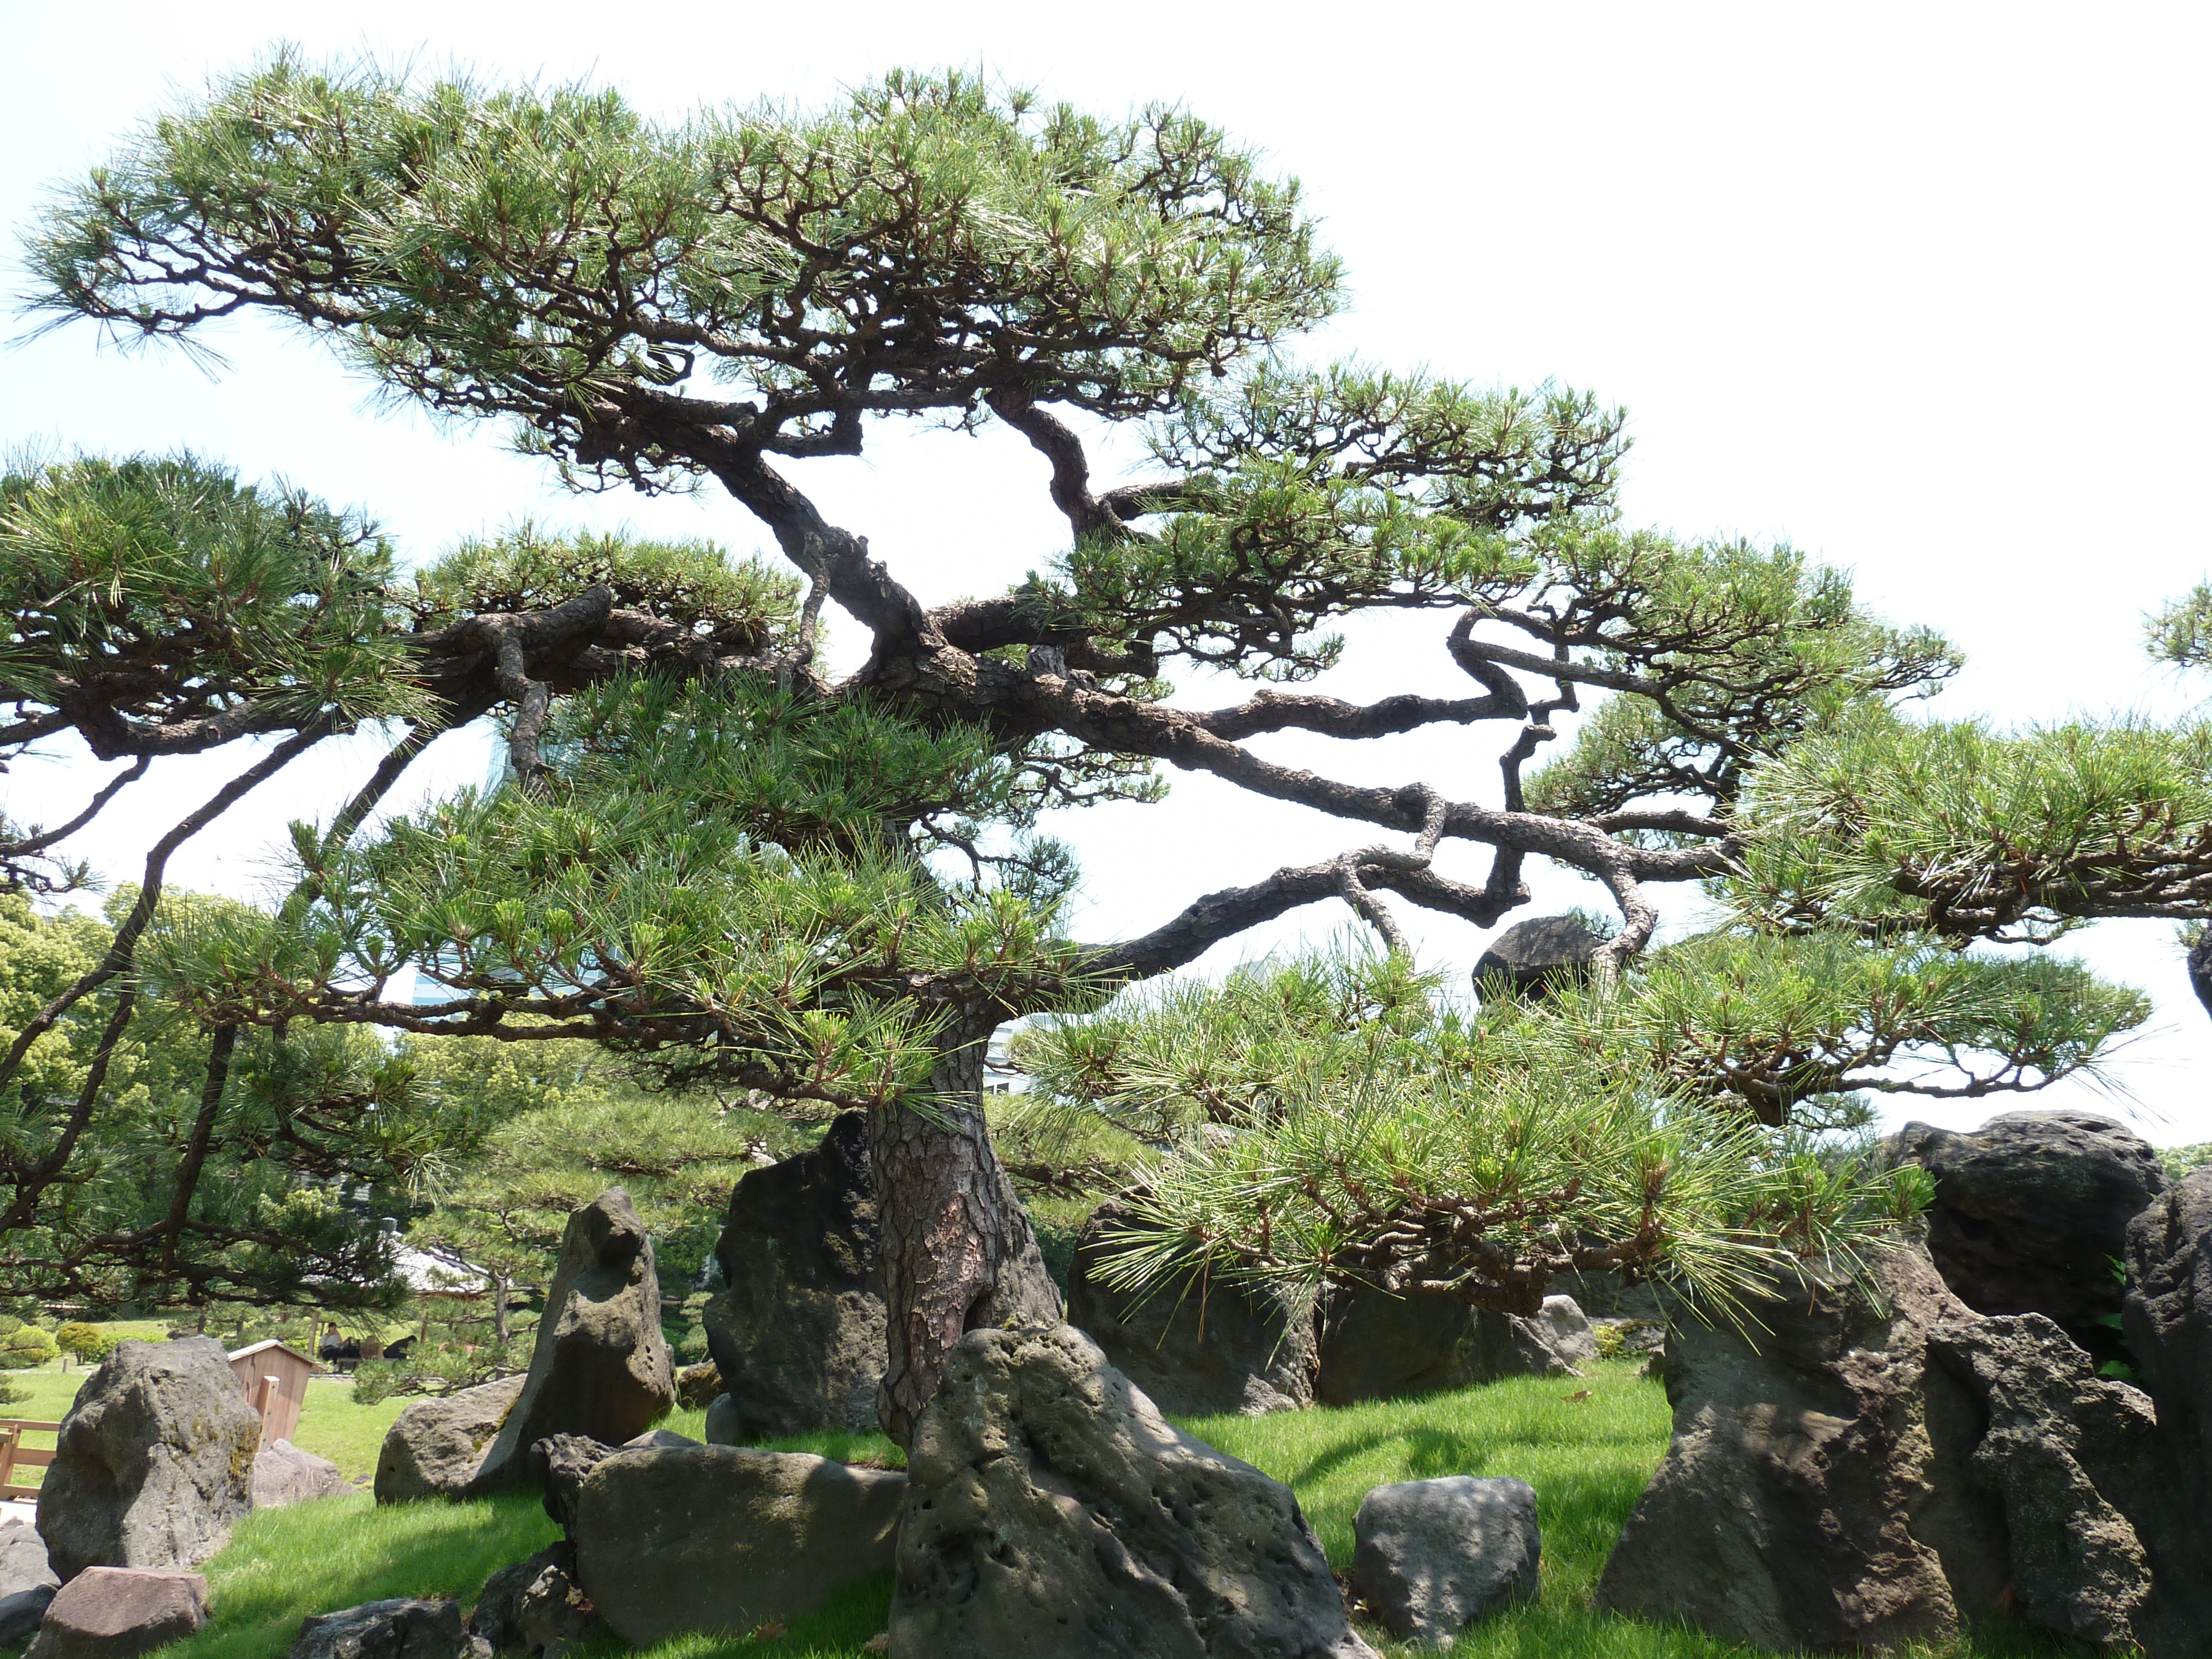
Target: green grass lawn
x: 1588, y: 1459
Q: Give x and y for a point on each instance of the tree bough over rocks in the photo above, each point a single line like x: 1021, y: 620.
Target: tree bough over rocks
x: 718, y: 858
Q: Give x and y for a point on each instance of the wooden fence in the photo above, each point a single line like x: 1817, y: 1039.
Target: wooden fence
x: 15, y: 1455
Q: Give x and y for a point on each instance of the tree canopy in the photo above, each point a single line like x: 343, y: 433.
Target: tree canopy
x: 724, y: 862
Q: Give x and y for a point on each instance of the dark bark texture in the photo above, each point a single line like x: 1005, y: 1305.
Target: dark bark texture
x: 958, y: 1252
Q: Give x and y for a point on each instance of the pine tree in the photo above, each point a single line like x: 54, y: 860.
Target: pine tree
x: 721, y: 861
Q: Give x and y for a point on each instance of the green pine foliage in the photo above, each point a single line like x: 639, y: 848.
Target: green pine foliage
x: 1958, y: 832
x: 707, y: 871
x: 1333, y: 1120
x: 248, y: 608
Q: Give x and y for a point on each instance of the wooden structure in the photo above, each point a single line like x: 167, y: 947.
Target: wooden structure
x: 15, y: 1455
x: 275, y: 1379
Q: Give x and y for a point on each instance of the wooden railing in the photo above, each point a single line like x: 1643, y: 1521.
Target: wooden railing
x: 15, y: 1455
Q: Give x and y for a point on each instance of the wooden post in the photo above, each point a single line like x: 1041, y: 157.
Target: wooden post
x: 10, y: 1441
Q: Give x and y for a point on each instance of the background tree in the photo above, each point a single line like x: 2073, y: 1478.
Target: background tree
x: 693, y: 864
x: 248, y: 1167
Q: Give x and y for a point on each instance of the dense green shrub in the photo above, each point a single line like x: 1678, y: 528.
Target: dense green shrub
x: 85, y: 1342
x: 25, y: 1346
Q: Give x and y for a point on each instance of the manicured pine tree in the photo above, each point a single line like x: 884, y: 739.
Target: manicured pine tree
x: 717, y: 858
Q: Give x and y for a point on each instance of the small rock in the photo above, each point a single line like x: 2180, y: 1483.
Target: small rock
x: 21, y: 1614
x: 725, y: 1423
x: 1531, y: 956
x: 436, y: 1448
x: 1434, y: 1556
x: 1053, y: 1510
x: 601, y: 1366
x: 497, y: 1617
x: 399, y: 1628
x: 712, y: 1537
x: 1554, y: 1342
x: 1198, y: 1350
x: 153, y: 1465
x: 697, y: 1385
x: 552, y: 1615
x: 115, y: 1612
x: 284, y: 1474
x: 800, y: 1331
x: 660, y: 1440
x: 23, y: 1563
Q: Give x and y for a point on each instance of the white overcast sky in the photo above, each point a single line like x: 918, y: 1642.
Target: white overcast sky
x: 1919, y: 288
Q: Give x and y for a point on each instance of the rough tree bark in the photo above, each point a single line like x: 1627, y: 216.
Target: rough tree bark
x: 957, y: 1250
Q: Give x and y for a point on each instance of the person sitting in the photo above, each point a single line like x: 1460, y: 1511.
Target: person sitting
x: 332, y: 1346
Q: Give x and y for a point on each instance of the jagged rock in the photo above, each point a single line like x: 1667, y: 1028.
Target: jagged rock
x: 116, y: 1613
x: 799, y: 1335
x: 399, y: 1628
x: 2031, y: 1212
x: 697, y: 1385
x: 2169, y: 1334
x: 1532, y: 956
x: 496, y: 1619
x: 1817, y: 1491
x: 552, y: 1615
x: 284, y: 1474
x: 2059, y: 1438
x: 1053, y: 1510
x: 154, y: 1463
x: 601, y: 1366
x: 436, y: 1448
x: 559, y: 1465
x: 23, y: 1563
x: 1432, y: 1557
x: 1195, y: 1350
x: 722, y: 1538
x: 1375, y: 1346
x: 21, y: 1614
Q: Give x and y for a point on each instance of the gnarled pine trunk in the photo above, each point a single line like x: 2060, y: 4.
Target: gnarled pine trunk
x: 957, y: 1250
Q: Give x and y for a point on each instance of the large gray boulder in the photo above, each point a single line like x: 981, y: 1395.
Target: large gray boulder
x: 722, y: 1538
x: 798, y: 1332
x: 154, y: 1463
x: 1432, y: 1557
x: 1198, y: 1349
x: 1054, y: 1511
x: 1375, y: 1346
x: 117, y: 1613
x: 2168, y: 1324
x: 2059, y: 1439
x: 1531, y: 956
x: 2031, y: 1212
x: 398, y: 1628
x: 601, y: 1366
x: 437, y: 1448
x: 1817, y: 1492
x: 23, y: 1563
x: 284, y: 1474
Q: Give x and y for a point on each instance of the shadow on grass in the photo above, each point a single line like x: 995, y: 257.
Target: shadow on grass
x: 283, y: 1565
